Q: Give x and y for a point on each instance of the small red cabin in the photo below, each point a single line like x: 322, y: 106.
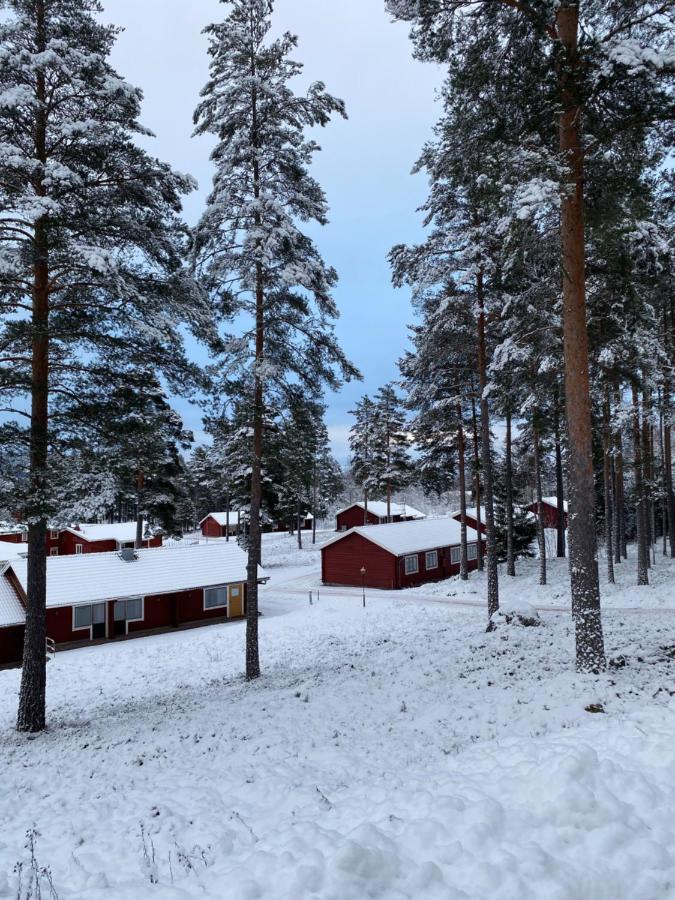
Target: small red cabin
x: 471, y: 518
x: 549, y: 506
x: 396, y: 555
x: 375, y: 514
x: 222, y: 524
x: 103, y: 596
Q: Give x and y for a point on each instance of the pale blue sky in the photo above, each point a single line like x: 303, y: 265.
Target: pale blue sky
x: 364, y: 167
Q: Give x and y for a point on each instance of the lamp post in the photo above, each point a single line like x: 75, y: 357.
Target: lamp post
x: 363, y: 584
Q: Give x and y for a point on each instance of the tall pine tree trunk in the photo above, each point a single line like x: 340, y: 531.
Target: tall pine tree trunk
x: 585, y: 585
x: 642, y: 577
x: 140, y: 486
x: 314, y: 494
x: 486, y: 458
x: 510, y: 543
x: 541, y: 534
x: 559, y: 486
x: 463, y: 560
x: 31, y: 714
x: 299, y: 520
x: 647, y: 477
x: 253, y: 538
x: 607, y: 487
x: 476, y: 469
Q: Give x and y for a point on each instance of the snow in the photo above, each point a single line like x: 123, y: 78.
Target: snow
x: 95, y: 577
x: 553, y: 501
x: 12, y: 551
x: 122, y: 532
x: 11, y: 610
x: 411, y: 537
x: 379, y: 508
x: 391, y: 752
x: 222, y: 517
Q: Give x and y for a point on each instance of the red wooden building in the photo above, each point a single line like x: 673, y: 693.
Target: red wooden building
x: 88, y: 538
x: 471, y: 518
x: 396, y: 555
x: 218, y: 524
x: 376, y: 514
x: 103, y: 596
x: 549, y: 507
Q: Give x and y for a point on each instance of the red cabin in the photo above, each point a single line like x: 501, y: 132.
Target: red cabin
x: 220, y: 524
x: 397, y: 555
x: 103, y: 596
x: 376, y: 514
x: 549, y: 507
x: 471, y: 518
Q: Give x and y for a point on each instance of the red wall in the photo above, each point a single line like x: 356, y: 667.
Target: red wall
x: 13, y: 537
x: 471, y: 522
x: 342, y: 561
x: 210, y: 528
x: 353, y: 517
x: 11, y: 644
x: 68, y: 540
x: 550, y: 514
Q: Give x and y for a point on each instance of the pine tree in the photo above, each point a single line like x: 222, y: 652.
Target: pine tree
x: 390, y: 444
x: 251, y: 256
x: 90, y: 248
x: 362, y: 449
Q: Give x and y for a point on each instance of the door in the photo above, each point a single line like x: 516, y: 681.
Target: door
x: 120, y: 618
x: 235, y: 601
x: 98, y: 629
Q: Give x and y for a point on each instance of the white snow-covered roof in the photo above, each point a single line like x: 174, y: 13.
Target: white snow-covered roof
x: 11, y: 610
x: 12, y: 551
x: 379, y: 508
x: 553, y: 501
x: 95, y: 577
x: 401, y: 538
x: 471, y: 513
x: 114, y: 531
x: 11, y: 528
x: 221, y: 517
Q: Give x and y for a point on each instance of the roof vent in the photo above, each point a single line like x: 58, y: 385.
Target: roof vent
x: 128, y: 554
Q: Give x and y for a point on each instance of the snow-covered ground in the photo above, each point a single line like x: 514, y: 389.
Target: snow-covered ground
x: 393, y: 752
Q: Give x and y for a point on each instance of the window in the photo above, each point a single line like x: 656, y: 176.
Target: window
x: 82, y: 618
x: 24, y: 537
x: 472, y: 551
x: 98, y: 614
x: 411, y: 565
x: 234, y: 592
x: 215, y: 598
x: 129, y: 610
x: 54, y: 535
x: 455, y: 555
x: 78, y: 548
x: 432, y: 559
x: 54, y: 551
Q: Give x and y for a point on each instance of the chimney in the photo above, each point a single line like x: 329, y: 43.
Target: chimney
x: 128, y: 554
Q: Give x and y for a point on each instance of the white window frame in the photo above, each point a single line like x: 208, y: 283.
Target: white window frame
x: 216, y: 587
x: 79, y: 548
x: 434, y: 555
x: 126, y: 620
x: 472, y: 552
x: 407, y: 559
x: 54, y: 535
x: 24, y: 537
x: 54, y: 551
x: 90, y: 628
x: 455, y: 556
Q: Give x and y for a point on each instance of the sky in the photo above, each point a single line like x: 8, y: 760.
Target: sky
x: 364, y: 166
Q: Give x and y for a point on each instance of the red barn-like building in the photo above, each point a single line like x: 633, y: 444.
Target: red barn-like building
x: 376, y: 514
x: 103, y: 596
x: 549, y: 507
x: 218, y: 524
x: 396, y: 555
x: 88, y: 538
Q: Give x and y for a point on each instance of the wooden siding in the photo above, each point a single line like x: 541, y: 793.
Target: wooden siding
x: 550, y: 514
x: 341, y: 563
x: 353, y: 518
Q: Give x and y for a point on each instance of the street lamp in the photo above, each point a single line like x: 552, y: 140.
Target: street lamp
x: 363, y: 584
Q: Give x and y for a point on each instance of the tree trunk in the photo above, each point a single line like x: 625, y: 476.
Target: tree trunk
x: 642, y: 577
x: 486, y: 459
x: 646, y: 477
x: 607, y: 486
x: 299, y: 518
x: 227, y: 518
x: 510, y: 548
x: 670, y: 496
x: 541, y: 534
x: 140, y: 487
x: 463, y: 559
x: 31, y: 715
x: 559, y: 490
x: 585, y: 585
x: 314, y: 494
x: 476, y: 468
x: 253, y: 538
x: 619, y: 497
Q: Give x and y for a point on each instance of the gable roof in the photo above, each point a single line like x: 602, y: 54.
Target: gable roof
x: 11, y: 551
x: 401, y: 538
x: 471, y: 513
x: 221, y: 517
x: 123, y: 532
x: 11, y: 608
x: 379, y: 508
x: 95, y: 577
x: 552, y: 501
